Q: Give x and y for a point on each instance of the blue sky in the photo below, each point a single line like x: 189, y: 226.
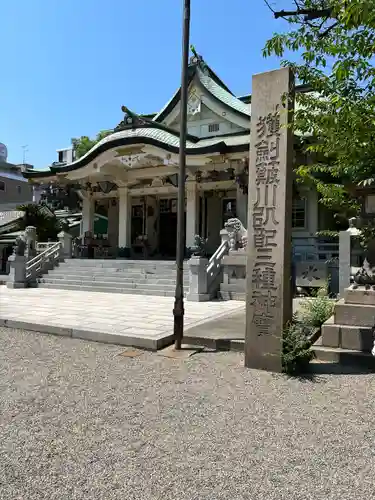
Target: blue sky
x: 68, y: 66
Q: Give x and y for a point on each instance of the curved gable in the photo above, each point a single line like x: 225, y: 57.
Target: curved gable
x: 205, y: 84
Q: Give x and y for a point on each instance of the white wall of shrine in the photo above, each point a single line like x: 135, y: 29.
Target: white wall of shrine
x: 199, y: 124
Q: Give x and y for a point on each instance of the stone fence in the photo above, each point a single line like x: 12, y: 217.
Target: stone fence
x: 30, y: 260
x: 336, y: 269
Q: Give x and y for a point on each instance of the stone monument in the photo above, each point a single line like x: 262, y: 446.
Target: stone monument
x: 269, y: 297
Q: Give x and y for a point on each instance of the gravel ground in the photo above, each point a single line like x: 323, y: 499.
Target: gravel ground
x: 78, y: 421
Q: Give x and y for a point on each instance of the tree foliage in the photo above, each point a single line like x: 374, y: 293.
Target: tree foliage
x: 333, y: 42
x: 46, y: 224
x: 83, y: 144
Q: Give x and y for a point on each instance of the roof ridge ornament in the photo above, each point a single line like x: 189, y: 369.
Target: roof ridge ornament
x: 131, y: 120
x: 198, y: 60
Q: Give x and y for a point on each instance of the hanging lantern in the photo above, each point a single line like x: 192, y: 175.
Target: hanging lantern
x: 106, y: 186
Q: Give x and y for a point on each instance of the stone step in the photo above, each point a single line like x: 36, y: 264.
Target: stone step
x: 121, y: 273
x: 348, y: 357
x: 115, y: 268
x: 217, y: 343
x: 358, y: 338
x: 130, y: 270
x: 110, y: 284
x: 115, y: 272
x: 105, y: 263
x: 113, y: 279
x: 354, y: 314
x: 97, y: 288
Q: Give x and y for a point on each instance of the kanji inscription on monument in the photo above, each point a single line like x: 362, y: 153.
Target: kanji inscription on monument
x: 269, y: 301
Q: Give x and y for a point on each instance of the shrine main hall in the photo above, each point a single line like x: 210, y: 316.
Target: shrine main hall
x: 131, y: 176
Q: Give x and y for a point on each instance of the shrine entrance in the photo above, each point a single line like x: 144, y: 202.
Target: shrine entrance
x: 167, y: 227
x: 168, y: 235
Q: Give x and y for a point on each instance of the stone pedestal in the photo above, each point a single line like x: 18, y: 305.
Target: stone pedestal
x: 224, y: 236
x: 198, y: 280
x: 17, y: 272
x: 352, y: 325
x: 233, y: 286
x: 65, y: 240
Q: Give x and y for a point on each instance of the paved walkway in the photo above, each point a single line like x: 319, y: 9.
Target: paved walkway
x: 136, y: 320
x: 225, y: 332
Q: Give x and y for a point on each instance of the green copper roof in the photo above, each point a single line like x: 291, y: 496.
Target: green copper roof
x: 223, y: 95
x: 212, y: 83
x: 154, y: 134
x: 230, y: 140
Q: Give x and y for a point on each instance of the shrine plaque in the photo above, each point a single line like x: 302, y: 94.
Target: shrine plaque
x: 269, y: 299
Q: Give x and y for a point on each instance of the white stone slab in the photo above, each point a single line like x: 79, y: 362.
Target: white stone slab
x: 133, y: 320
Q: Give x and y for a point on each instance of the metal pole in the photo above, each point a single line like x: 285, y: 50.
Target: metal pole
x: 178, y: 311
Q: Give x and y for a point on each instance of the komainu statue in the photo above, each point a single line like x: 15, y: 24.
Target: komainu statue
x: 25, y: 243
x: 237, y: 234
x: 20, y: 245
x: 366, y: 275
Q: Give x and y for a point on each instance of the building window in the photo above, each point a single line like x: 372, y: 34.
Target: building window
x: 299, y: 213
x: 19, y: 190
x: 214, y: 127
x: 2, y: 186
x: 62, y: 156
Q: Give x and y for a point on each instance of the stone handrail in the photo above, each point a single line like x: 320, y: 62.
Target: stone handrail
x: 42, y: 246
x: 214, y: 265
x: 37, y: 265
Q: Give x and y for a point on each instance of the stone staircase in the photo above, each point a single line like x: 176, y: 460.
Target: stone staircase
x: 348, y: 336
x: 142, y: 277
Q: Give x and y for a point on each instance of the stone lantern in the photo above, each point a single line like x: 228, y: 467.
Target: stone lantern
x: 366, y: 275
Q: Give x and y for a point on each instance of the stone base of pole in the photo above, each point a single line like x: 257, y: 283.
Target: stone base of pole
x: 178, y: 323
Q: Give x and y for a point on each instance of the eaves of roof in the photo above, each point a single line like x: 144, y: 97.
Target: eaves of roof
x: 220, y: 94
x: 158, y: 136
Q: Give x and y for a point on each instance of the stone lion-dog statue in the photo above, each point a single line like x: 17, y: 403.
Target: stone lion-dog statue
x: 237, y: 234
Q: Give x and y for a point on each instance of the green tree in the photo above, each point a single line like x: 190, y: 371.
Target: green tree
x: 46, y: 224
x: 334, y: 44
x: 83, y: 144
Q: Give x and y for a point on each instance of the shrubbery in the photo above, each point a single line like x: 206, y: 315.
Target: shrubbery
x: 297, y: 352
x: 316, y: 311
